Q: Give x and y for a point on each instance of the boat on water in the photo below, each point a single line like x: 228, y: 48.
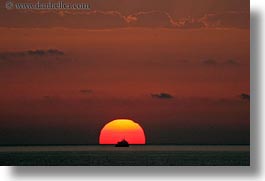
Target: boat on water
x: 122, y: 143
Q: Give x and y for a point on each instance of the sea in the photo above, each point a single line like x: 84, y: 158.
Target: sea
x: 135, y: 155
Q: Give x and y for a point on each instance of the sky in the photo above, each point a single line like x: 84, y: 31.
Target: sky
x: 181, y: 69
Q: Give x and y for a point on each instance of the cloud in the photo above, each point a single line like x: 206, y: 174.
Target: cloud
x: 150, y: 19
x: 232, y: 62
x: 44, y: 52
x: 162, y: 19
x: 51, y: 99
x: 231, y: 19
x: 244, y: 96
x: 41, y: 59
x: 212, y: 62
x: 98, y: 19
x: 209, y: 62
x: 86, y: 91
x: 188, y: 23
x: 162, y: 96
x: 69, y: 19
x: 210, y: 20
x: 38, y: 52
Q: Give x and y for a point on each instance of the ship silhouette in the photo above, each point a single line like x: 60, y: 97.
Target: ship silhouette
x: 122, y: 143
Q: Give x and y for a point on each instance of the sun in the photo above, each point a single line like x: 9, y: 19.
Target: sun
x: 119, y: 129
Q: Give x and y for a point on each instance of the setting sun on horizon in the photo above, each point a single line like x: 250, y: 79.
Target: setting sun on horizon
x: 119, y: 129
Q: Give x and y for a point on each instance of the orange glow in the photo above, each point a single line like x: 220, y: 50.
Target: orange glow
x: 119, y: 129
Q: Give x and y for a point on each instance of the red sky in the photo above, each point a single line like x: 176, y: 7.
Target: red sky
x: 65, y: 74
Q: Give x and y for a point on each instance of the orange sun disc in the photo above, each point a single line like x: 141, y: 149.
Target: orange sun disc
x: 120, y: 129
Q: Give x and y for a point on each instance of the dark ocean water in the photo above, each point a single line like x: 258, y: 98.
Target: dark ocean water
x: 135, y: 155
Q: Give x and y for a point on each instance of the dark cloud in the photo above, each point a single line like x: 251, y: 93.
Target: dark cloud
x: 32, y: 60
x: 210, y: 62
x: 162, y: 96
x: 86, y: 91
x: 232, y: 62
x: 38, y: 52
x: 244, y: 96
x: 45, y: 52
x: 51, y: 99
